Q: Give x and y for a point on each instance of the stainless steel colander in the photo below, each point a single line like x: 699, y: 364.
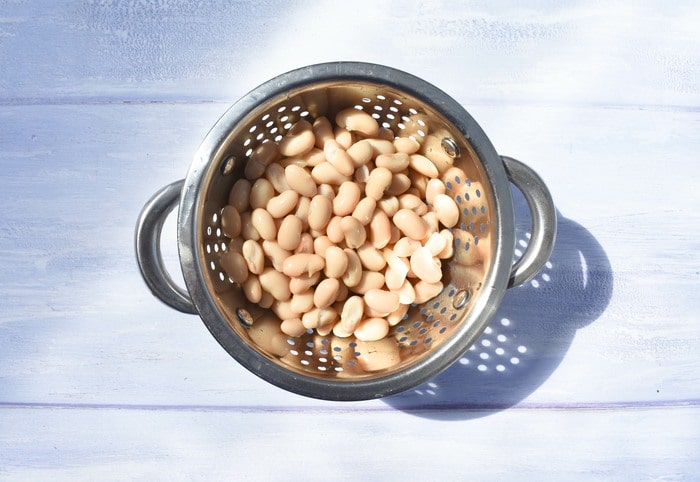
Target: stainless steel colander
x: 432, y: 335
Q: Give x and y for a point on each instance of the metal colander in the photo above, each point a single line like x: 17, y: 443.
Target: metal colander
x: 432, y: 335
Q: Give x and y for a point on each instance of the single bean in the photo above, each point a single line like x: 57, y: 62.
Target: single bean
x: 372, y: 329
x: 252, y: 289
x: 326, y: 292
x: 264, y: 224
x: 396, y: 162
x: 423, y: 165
x: 364, y: 210
x: 357, y: 120
x: 426, y: 291
x: 351, y: 315
x: 369, y: 280
x: 378, y: 182
x: 240, y: 195
x: 395, y: 317
x: 432, y: 189
x: 353, y: 274
x: 260, y: 193
x: 321, y: 245
x: 371, y: 257
x: 390, y: 205
x: 319, y: 317
x: 300, y: 180
x: 327, y: 173
x: 380, y: 146
x: 298, y: 140
x: 235, y: 266
x: 293, y: 327
x: 313, y: 158
x: 275, y: 283
x: 425, y: 266
x: 436, y: 243
x: 302, y: 263
x: 405, y: 247
x: 336, y: 262
x: 282, y: 204
x: 320, y: 211
x: 410, y: 224
x: 347, y: 198
x: 303, y: 283
x: 407, y: 294
x: 303, y: 302
x: 254, y: 256
x: 360, y: 153
x: 230, y: 221
x: 323, y: 131
x: 414, y: 203
x: 446, y: 210
x: 283, y: 309
x: 289, y: 234
x: 406, y: 145
x: 382, y: 301
x: 353, y: 231
x: 343, y: 137
x: 338, y: 158
x: 334, y: 230
x: 275, y: 174
x: 399, y: 184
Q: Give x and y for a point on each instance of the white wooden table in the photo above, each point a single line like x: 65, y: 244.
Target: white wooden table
x: 589, y: 372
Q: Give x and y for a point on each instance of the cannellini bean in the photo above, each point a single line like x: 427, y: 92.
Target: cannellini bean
x: 302, y: 263
x: 407, y: 294
x: 275, y: 253
x: 449, y: 247
x: 410, y: 224
x: 433, y: 150
x: 347, y: 198
x: 360, y: 153
x: 405, y: 247
x: 419, y: 183
x: 254, y: 257
x: 282, y: 204
x: 326, y: 173
x: 390, y: 205
x: 432, y: 189
x: 320, y: 211
x: 319, y: 317
x: 378, y: 182
x: 306, y: 244
x: 248, y: 231
x: 300, y: 180
x: 382, y: 301
x: 326, y: 190
x: 436, y: 243
x: 396, y: 162
x: 289, y: 234
x: 380, y: 146
x: 371, y: 257
x: 334, y: 230
x: 380, y: 229
x: 312, y: 158
x: 264, y: 224
x: 275, y: 174
x: 293, y: 327
x: 426, y: 291
x: 353, y: 231
x: 338, y: 157
x: 303, y: 283
x: 326, y: 292
x: 263, y: 155
x: 283, y: 310
x: 275, y: 283
x: 414, y: 203
x: 336, y: 262
x: 395, y: 317
x: 425, y: 266
x: 343, y: 137
x: 351, y: 314
x: 230, y: 222
x: 252, y: 289
x: 235, y: 266
x: 399, y: 184
x: 406, y: 145
x: 240, y: 195
x: 323, y: 131
x: 446, y: 210
x: 394, y: 279
x: 423, y: 165
x: 356, y: 120
x: 298, y: 140
x: 260, y: 193
x: 321, y: 245
x: 303, y: 302
x: 372, y: 329
x: 353, y: 274
x: 369, y: 280
x: 364, y: 210
x: 266, y: 300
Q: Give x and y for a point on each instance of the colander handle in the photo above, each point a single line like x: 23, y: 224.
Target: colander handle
x: 544, y: 221
x: 148, y: 255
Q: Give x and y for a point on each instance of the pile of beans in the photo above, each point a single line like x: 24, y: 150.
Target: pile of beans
x: 340, y: 227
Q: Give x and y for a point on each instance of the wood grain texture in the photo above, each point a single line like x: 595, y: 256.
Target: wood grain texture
x: 590, y: 371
